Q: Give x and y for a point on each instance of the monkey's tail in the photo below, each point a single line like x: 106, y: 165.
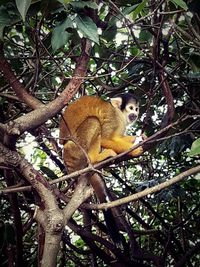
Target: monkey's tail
x: 112, y: 226
x: 100, y: 190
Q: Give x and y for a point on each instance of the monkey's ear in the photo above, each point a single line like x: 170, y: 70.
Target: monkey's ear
x: 116, y: 102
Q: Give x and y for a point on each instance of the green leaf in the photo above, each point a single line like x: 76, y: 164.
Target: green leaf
x: 128, y: 10
x: 195, y: 149
x: 110, y: 32
x: 8, y: 16
x: 4, y: 17
x: 64, y: 2
x: 4, y: 20
x: 1, y: 32
x: 60, y: 36
x: 48, y: 172
x: 87, y: 27
x: 82, y: 4
x: 145, y: 36
x: 138, y: 9
x: 23, y: 6
x: 180, y: 3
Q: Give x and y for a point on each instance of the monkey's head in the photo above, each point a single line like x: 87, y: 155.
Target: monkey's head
x: 129, y: 105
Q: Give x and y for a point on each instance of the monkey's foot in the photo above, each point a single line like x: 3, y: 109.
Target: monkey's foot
x: 137, y: 152
x: 106, y: 153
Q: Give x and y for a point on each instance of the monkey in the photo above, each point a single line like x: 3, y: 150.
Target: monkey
x: 95, y: 124
x: 94, y: 129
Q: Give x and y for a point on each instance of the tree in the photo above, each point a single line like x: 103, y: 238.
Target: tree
x: 51, y: 52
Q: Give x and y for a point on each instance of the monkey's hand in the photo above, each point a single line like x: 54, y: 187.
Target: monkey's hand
x: 120, y: 144
x: 138, y: 151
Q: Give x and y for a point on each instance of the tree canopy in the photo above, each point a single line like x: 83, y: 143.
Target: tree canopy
x: 52, y: 52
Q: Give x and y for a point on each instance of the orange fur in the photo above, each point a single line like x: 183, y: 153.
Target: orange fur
x: 95, y: 125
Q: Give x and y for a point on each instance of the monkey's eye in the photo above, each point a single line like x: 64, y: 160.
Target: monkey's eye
x: 131, y: 107
x: 136, y: 109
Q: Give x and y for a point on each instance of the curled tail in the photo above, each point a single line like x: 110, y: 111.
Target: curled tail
x: 100, y: 190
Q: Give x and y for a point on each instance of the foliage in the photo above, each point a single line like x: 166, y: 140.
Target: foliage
x: 195, y: 149
x: 151, y: 48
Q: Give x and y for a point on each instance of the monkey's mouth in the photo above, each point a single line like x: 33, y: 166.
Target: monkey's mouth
x: 132, y: 117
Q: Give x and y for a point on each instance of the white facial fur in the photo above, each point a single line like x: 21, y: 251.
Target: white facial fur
x: 131, y: 110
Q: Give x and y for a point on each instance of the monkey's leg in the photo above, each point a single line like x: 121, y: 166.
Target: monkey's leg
x: 95, y: 153
x: 119, y: 145
x: 88, y: 135
x: 73, y: 151
x: 73, y: 157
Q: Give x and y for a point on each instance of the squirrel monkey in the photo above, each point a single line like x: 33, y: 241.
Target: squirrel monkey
x: 97, y: 128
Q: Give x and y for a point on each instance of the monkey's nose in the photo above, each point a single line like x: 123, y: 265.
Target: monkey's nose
x: 132, y: 117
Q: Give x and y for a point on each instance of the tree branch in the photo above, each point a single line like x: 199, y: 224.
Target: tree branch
x: 168, y: 117
x: 51, y: 215
x: 147, y: 191
x: 81, y: 193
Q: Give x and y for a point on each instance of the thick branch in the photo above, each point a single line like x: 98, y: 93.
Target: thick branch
x: 81, y: 193
x: 38, y: 182
x: 51, y: 216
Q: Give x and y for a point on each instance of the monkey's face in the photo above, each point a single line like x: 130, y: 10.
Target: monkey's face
x: 131, y: 112
x: 128, y: 105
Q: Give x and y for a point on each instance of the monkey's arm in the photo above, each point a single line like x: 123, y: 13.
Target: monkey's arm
x: 120, y: 144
